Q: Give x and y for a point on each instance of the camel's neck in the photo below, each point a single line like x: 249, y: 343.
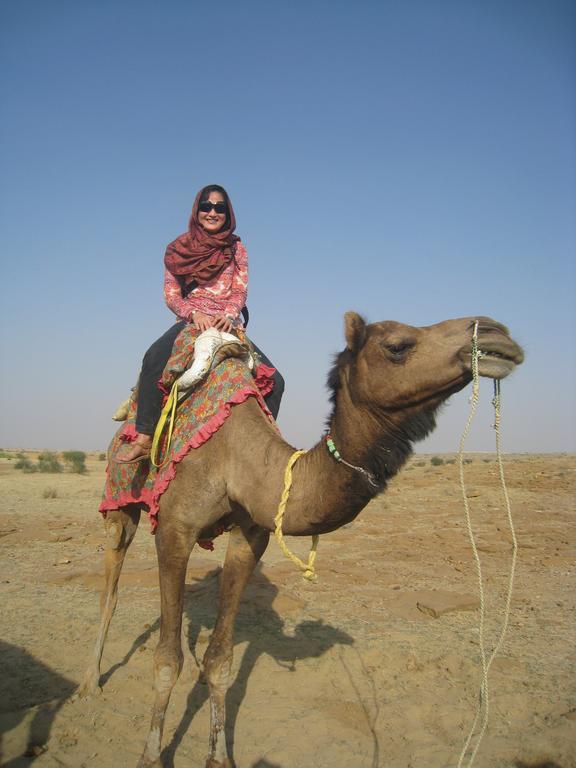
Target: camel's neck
x: 326, y: 493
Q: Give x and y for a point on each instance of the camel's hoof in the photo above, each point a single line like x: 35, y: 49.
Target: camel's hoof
x: 212, y: 763
x: 90, y: 686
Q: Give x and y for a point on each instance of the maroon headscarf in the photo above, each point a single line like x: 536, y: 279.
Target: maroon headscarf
x: 197, y: 256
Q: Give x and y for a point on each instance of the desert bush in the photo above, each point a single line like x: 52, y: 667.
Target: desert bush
x: 4, y: 454
x: 76, y: 460
x: 49, y: 493
x: 436, y: 461
x: 25, y: 464
x: 102, y: 457
x: 48, y: 462
x: 468, y: 461
x: 419, y: 463
x: 450, y: 461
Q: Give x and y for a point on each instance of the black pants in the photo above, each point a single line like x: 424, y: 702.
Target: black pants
x: 155, y: 359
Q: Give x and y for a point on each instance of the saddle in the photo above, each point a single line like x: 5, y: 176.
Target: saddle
x: 207, y: 406
x: 210, y: 348
x: 193, y: 357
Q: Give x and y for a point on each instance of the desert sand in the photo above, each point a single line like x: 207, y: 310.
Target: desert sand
x: 376, y: 665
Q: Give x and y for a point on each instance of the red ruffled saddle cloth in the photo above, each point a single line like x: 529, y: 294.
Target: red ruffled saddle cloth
x: 198, y: 417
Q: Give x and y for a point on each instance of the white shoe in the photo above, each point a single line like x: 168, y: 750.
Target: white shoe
x: 205, y: 347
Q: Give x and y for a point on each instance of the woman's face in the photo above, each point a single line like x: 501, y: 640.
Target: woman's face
x: 212, y: 220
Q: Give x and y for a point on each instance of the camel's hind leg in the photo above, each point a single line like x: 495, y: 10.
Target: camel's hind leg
x: 174, y: 543
x: 245, y: 548
x: 120, y: 526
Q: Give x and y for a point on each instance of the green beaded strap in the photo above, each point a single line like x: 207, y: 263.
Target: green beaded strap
x: 336, y: 453
x: 332, y: 448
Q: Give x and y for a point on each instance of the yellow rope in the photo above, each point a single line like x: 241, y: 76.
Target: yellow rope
x: 482, y: 710
x: 168, y: 410
x: 307, y: 568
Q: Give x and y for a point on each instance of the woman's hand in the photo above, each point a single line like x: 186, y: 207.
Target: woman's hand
x: 203, y: 322
x: 223, y: 323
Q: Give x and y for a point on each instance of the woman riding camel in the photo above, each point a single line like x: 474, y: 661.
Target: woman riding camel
x: 206, y: 284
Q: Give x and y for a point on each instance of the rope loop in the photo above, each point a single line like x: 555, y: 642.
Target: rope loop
x: 308, y: 569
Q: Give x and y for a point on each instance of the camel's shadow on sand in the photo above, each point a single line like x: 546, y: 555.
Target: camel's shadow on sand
x: 31, y: 691
x: 41, y: 691
x: 259, y: 626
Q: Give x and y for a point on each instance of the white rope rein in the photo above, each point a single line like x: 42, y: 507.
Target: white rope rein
x: 482, y: 710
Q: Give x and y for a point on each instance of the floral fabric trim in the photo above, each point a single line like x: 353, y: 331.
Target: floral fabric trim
x: 199, y: 416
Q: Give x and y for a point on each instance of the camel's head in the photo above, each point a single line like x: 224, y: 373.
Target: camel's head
x: 393, y: 366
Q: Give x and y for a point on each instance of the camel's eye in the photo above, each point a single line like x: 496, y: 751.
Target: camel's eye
x: 397, y: 352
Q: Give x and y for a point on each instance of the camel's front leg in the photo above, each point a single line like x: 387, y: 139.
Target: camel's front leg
x: 120, y: 526
x: 173, y: 545
x: 245, y: 548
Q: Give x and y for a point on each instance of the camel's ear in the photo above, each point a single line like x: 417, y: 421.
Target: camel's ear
x: 355, y: 331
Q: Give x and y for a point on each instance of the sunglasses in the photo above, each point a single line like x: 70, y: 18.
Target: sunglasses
x: 206, y: 206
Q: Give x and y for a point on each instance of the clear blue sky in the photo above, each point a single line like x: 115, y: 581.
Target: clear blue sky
x: 410, y: 160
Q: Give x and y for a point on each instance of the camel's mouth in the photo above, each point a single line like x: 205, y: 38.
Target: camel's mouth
x: 498, y: 354
x: 495, y: 365
x: 497, y: 357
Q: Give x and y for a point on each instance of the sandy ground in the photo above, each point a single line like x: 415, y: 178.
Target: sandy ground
x: 376, y: 665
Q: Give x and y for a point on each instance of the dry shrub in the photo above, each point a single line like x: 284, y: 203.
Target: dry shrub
x: 24, y: 463
x: 76, y: 460
x: 48, y: 462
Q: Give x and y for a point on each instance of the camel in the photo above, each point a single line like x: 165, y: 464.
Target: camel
x: 386, y: 387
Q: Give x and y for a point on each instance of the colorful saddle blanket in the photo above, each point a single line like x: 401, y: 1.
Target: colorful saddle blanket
x: 198, y: 417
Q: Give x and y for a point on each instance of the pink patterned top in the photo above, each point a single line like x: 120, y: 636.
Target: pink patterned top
x: 224, y: 295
